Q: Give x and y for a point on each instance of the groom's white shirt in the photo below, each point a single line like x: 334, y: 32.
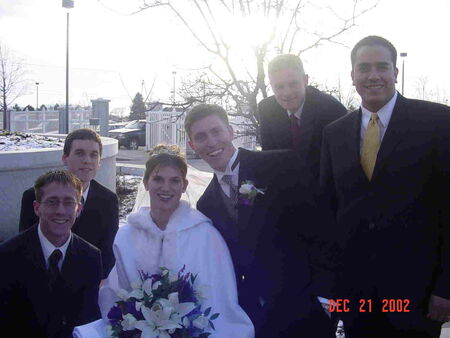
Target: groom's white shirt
x: 228, y: 171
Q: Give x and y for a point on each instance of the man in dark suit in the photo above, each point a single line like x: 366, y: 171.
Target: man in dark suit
x: 272, y: 266
x: 99, y: 218
x: 50, y: 277
x: 385, y: 174
x: 295, y: 116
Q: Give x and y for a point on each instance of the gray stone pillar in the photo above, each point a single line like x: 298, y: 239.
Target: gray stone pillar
x: 62, y: 121
x: 100, y: 110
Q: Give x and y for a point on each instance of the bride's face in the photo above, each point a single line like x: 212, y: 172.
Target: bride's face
x: 165, y: 186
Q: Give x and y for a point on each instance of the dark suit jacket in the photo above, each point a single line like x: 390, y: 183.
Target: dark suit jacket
x: 97, y: 223
x: 271, y: 261
x: 27, y: 308
x: 319, y: 110
x: 394, y: 229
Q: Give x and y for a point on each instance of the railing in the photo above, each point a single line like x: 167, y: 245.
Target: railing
x: 165, y: 127
x: 47, y: 121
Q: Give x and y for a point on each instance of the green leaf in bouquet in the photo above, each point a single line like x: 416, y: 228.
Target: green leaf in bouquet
x: 207, y: 311
x: 204, y: 335
x: 214, y: 316
x: 212, y: 325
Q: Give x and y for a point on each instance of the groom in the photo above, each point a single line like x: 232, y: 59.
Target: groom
x: 271, y: 264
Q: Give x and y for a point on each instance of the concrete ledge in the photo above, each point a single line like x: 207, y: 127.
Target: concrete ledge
x: 19, y: 170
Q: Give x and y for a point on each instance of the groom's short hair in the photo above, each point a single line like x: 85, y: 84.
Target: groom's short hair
x: 201, y: 111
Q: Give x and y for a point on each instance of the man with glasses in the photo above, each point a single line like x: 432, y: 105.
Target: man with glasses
x: 50, y: 276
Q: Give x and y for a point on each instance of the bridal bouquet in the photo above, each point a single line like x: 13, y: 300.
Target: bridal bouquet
x: 161, y: 306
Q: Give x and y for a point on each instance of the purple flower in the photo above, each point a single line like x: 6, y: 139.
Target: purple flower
x: 115, y: 315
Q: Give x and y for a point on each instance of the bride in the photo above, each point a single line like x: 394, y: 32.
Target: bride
x: 170, y: 233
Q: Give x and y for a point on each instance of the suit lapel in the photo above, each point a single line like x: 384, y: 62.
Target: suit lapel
x: 69, y: 269
x: 307, y: 124
x: 393, y: 135
x: 34, y: 250
x: 283, y: 128
x: 245, y: 174
x: 352, y: 144
x: 215, y: 204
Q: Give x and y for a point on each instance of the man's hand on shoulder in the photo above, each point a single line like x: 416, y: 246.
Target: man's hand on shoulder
x: 439, y: 309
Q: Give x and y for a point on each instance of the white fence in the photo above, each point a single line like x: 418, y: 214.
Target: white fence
x: 47, y: 121
x: 166, y: 127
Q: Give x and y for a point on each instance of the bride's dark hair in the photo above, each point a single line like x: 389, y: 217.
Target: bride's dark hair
x: 165, y: 155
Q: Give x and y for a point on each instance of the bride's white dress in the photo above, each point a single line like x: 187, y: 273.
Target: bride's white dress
x: 189, y: 240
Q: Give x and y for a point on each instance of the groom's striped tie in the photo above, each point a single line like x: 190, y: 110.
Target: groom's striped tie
x: 233, y: 188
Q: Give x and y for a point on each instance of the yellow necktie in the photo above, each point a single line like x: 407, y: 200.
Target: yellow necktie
x: 371, y: 145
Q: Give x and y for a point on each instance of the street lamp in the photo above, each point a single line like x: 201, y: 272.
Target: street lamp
x: 173, y: 97
x: 37, y: 96
x: 67, y: 4
x: 403, y: 55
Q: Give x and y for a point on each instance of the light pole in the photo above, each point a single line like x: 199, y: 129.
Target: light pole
x: 403, y: 55
x: 67, y: 4
x: 173, y: 97
x: 37, y: 95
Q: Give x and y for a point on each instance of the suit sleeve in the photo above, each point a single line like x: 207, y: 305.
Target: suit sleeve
x: 265, y: 128
x: 27, y: 216
x: 90, y: 310
x: 442, y: 203
x: 327, y: 231
x: 111, y: 225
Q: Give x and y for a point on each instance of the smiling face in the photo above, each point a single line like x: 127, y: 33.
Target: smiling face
x: 374, y: 76
x: 57, y: 211
x: 83, y: 160
x: 289, y: 86
x: 165, y: 185
x: 211, y: 138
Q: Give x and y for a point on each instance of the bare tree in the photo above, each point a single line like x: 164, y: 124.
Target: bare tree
x: 236, y: 75
x: 12, y: 80
x: 424, y: 92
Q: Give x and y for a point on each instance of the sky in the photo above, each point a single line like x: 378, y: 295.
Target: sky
x: 113, y: 56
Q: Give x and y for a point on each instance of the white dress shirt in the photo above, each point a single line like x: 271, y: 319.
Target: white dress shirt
x: 298, y: 113
x: 48, y: 248
x: 228, y: 171
x: 384, y: 116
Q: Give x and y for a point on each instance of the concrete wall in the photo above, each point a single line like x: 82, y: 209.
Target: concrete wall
x: 19, y: 170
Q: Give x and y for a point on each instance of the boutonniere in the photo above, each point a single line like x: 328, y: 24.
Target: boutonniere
x: 248, y: 192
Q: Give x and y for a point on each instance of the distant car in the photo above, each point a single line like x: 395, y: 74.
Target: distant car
x: 116, y: 125
x: 131, y: 135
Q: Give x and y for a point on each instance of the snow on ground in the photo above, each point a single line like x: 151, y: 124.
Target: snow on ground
x: 10, y: 141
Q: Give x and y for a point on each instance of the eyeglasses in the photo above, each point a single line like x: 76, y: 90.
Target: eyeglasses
x: 54, y: 203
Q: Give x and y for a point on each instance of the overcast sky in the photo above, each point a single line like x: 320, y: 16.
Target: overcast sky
x: 111, y: 54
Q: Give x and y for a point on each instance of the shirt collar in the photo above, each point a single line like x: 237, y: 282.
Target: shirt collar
x: 228, y: 170
x: 48, y: 247
x: 384, y: 113
x: 86, y: 192
x: 299, y: 111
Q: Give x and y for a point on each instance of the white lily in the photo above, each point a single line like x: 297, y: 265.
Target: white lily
x: 200, y: 322
x: 128, y: 322
x: 147, y: 286
x: 138, y: 294
x: 156, y: 323
x: 122, y: 294
x: 136, y: 285
x: 245, y: 188
x: 178, y: 310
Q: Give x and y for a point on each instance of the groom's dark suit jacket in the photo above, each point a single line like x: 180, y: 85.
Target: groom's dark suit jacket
x: 27, y: 306
x: 319, y: 110
x: 271, y: 261
x: 97, y: 223
x: 394, y: 229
